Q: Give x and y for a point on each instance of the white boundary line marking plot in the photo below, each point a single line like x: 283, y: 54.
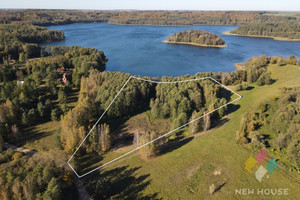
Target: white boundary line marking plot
x: 168, y: 133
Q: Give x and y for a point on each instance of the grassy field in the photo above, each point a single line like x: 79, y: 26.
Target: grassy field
x: 187, y: 171
x: 41, y: 135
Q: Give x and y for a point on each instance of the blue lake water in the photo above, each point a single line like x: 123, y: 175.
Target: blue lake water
x: 138, y: 49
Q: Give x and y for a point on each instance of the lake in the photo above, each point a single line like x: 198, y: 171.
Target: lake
x: 139, y: 50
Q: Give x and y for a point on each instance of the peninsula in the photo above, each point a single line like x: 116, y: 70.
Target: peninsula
x: 276, y: 31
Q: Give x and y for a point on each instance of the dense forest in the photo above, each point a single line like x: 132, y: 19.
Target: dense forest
x: 282, y: 30
x: 27, y: 89
x: 34, y: 177
x: 29, y: 34
x: 172, y: 18
x: 275, y: 125
x: 18, y: 42
x: 178, y: 104
x: 35, y: 83
x: 96, y: 92
x: 32, y: 76
x: 200, y: 37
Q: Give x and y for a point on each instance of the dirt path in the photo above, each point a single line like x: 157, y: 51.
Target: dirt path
x: 19, y: 149
x: 83, y: 194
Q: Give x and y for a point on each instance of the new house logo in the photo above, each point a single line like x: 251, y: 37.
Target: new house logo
x: 253, y: 164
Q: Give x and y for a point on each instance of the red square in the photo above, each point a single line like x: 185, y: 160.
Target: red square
x: 261, y: 155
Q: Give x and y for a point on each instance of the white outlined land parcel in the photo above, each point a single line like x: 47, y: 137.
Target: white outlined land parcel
x: 164, y: 135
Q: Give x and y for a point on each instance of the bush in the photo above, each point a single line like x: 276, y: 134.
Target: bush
x: 241, y: 139
x: 241, y: 86
x: 280, y: 61
x: 17, y: 156
x: 3, y: 158
x: 180, y: 120
x: 9, y: 153
x: 264, y: 79
x: 280, y: 142
x: 57, y: 138
x: 263, y: 107
x: 238, y: 87
x: 48, y: 105
x: 55, y: 114
x: 32, y: 115
x: 293, y: 150
x: 64, y: 108
x: 41, y: 109
x: 53, y: 191
x: 62, y: 96
x: 48, y: 173
x: 273, y: 60
x: 103, y: 188
x: 25, y: 119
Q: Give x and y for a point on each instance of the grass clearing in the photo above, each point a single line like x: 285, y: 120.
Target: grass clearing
x: 42, y: 136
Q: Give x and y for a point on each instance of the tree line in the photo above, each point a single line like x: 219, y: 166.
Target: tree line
x: 96, y: 93
x: 25, y: 177
x: 29, y: 91
x: 29, y: 33
x: 171, y: 18
x: 18, y: 42
x: 275, y: 125
x: 274, y: 29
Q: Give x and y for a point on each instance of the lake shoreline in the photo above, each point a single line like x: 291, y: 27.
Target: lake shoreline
x: 180, y: 25
x: 149, y: 25
x: 262, y: 36
x: 195, y: 44
x: 140, y: 50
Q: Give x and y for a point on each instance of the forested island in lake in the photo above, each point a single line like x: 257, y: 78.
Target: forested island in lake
x: 277, y: 31
x: 197, y: 38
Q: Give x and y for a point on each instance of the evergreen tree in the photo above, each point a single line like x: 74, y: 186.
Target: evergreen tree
x: 62, y: 97
x: 53, y: 191
x: 103, y: 188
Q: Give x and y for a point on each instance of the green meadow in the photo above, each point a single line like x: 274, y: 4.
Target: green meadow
x: 187, y: 169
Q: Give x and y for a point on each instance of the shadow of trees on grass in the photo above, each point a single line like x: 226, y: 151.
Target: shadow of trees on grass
x: 119, y: 183
x: 84, y: 163
x: 232, y: 108
x: 174, y: 144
